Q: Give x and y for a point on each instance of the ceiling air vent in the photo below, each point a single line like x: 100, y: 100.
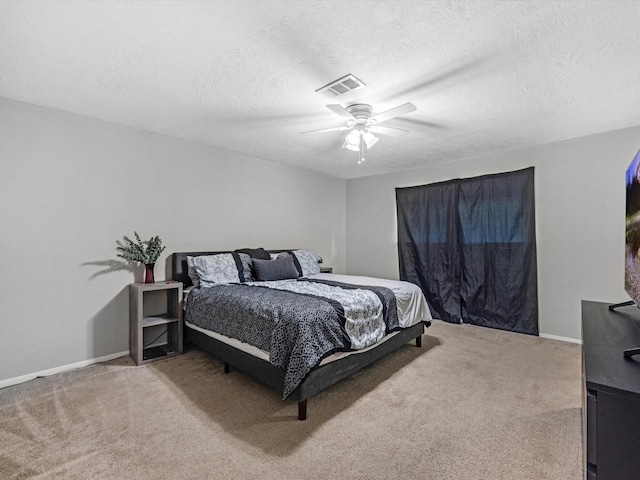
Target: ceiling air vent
x: 340, y: 86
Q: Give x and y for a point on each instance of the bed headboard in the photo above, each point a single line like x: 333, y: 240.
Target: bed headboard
x: 179, y: 263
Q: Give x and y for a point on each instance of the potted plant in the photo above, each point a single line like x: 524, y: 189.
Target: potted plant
x: 142, y: 252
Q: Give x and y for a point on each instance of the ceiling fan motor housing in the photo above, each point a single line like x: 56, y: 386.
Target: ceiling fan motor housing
x: 360, y: 111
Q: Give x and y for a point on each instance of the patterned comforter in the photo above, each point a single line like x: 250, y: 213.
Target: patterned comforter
x: 299, y: 322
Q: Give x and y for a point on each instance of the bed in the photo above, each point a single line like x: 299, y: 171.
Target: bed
x: 321, y: 369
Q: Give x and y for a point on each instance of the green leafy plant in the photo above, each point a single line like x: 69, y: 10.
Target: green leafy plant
x: 144, y: 252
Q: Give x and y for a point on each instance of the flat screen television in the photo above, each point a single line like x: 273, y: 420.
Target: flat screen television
x: 632, y: 242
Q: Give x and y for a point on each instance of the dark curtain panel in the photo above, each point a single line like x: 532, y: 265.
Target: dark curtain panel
x: 428, y: 245
x: 470, y: 245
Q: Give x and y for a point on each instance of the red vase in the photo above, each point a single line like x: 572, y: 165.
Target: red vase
x: 148, y: 273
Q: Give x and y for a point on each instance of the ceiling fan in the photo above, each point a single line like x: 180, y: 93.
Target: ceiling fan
x: 362, y: 125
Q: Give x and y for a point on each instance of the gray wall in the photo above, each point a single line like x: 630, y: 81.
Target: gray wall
x: 580, y: 213
x: 72, y: 186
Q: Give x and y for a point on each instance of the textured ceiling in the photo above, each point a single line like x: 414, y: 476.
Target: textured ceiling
x: 486, y: 76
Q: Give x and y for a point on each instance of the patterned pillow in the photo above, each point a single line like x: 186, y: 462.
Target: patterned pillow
x: 222, y: 268
x: 191, y: 271
x: 306, y: 261
x: 247, y: 267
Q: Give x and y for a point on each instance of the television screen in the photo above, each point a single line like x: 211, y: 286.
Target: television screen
x: 632, y: 230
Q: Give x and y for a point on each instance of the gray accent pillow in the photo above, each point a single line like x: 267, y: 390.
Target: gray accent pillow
x: 270, y: 270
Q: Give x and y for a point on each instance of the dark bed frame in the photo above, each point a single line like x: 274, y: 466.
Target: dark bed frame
x: 318, y: 379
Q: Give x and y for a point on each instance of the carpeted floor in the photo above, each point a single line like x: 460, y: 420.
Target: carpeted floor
x: 472, y: 403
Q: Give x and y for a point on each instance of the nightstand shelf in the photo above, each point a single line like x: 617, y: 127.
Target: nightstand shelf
x: 158, y: 320
x: 155, y: 353
x: 155, y: 321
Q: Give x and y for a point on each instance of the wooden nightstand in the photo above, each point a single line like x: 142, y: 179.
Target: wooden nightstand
x: 326, y: 269
x: 155, y: 320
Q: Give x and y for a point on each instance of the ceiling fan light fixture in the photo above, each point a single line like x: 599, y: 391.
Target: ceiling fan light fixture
x: 352, y: 140
x: 353, y: 148
x: 369, y: 138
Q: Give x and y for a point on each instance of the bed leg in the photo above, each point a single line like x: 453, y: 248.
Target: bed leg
x: 302, y: 409
x: 419, y: 341
x: 227, y: 367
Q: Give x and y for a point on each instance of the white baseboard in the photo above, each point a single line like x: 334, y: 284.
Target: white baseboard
x: 562, y: 339
x: 52, y: 371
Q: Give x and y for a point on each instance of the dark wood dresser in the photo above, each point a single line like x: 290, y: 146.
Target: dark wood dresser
x: 611, y: 392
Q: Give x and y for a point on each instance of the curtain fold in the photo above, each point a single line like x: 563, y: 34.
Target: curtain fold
x: 428, y: 247
x: 470, y: 245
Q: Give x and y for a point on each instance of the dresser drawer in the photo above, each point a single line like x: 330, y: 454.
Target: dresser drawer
x: 592, y: 428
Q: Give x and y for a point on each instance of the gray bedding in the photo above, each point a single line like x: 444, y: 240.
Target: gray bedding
x: 298, y: 322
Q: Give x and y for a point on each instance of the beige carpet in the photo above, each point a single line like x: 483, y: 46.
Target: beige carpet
x: 472, y: 403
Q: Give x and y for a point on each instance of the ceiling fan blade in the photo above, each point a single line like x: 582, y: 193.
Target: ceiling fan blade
x: 394, y: 112
x: 335, y: 129
x: 340, y: 111
x: 390, y: 131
